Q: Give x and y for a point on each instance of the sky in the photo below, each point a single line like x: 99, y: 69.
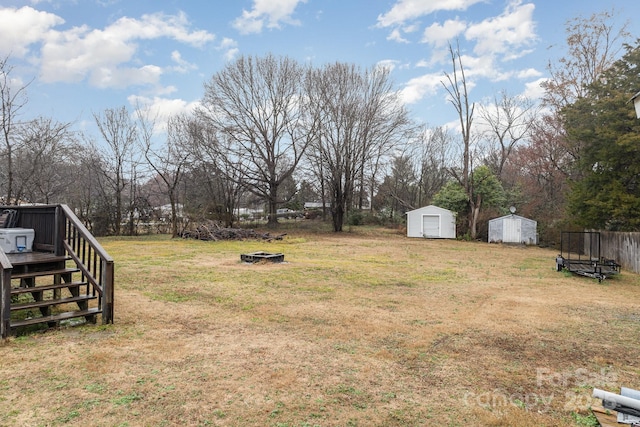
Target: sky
x: 81, y: 57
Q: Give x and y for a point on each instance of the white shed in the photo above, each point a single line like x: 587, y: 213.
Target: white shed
x: 513, y: 229
x: 431, y: 222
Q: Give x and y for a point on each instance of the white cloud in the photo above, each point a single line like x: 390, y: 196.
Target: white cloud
x: 230, y: 48
x: 231, y: 54
x: 411, y: 28
x: 485, y: 44
x: 102, y: 55
x: 426, y: 85
x: 160, y: 109
x: 396, y: 35
x: 505, y: 34
x: 408, y: 10
x: 20, y: 28
x: 475, y: 68
x: 73, y: 55
x: 480, y: 66
x: 388, y: 64
x: 182, y: 66
x: 417, y: 88
x: 528, y: 73
x: 497, y: 38
x: 440, y: 35
x: 227, y: 43
x: 159, y: 25
x: 533, y: 90
x: 164, y: 90
x: 106, y: 77
x: 267, y: 12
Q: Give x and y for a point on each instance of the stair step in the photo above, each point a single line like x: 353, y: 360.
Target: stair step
x: 17, y: 291
x: 31, y: 258
x: 51, y: 302
x: 32, y: 274
x: 55, y: 317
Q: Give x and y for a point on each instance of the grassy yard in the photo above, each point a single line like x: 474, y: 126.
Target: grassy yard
x: 363, y: 328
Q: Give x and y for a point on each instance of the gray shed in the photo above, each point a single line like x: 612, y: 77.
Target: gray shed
x: 513, y: 229
x: 432, y: 222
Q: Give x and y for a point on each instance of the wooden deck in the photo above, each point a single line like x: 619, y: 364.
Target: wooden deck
x: 27, y: 258
x: 67, y: 267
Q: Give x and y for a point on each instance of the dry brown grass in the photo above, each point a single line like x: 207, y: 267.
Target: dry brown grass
x: 364, y: 328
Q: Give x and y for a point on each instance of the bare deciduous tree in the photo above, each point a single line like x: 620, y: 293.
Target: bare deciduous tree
x: 509, y: 120
x: 169, y: 160
x: 44, y: 161
x: 13, y: 98
x: 84, y: 195
x: 397, y: 193
x: 432, y: 157
x: 221, y: 174
x: 256, y: 107
x: 119, y: 132
x: 541, y: 169
x: 593, y: 44
x: 418, y: 171
x: 360, y: 120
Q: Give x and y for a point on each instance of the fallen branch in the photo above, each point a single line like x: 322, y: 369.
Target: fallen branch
x: 213, y: 231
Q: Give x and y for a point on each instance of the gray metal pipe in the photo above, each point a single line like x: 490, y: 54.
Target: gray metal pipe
x: 616, y: 399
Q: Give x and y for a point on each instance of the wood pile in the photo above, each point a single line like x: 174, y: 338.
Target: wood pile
x: 214, y: 231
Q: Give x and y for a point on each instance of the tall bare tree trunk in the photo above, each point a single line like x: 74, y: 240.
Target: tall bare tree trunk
x: 458, y: 91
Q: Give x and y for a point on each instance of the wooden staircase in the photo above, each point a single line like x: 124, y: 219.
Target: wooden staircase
x: 44, y: 291
x: 67, y: 276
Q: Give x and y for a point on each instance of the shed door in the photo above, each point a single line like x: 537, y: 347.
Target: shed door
x: 431, y: 225
x: 512, y: 230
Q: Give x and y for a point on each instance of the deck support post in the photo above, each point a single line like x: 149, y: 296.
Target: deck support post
x: 108, y: 293
x: 5, y: 296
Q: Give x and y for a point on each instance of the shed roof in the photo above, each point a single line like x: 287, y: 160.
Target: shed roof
x: 512, y: 216
x: 431, y: 207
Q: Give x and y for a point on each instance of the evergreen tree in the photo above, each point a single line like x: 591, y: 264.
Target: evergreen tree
x: 606, y: 191
x: 487, y: 192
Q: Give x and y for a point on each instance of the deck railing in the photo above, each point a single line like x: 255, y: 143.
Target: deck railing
x: 44, y: 221
x: 94, y: 262
x: 58, y: 230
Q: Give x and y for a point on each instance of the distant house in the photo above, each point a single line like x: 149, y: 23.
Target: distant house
x: 431, y: 222
x: 316, y: 205
x: 165, y: 210
x: 513, y: 229
x: 243, y: 213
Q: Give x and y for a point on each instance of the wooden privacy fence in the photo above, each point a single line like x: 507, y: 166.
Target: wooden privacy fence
x: 623, y: 247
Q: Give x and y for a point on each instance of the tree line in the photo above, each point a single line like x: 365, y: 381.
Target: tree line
x: 272, y: 132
